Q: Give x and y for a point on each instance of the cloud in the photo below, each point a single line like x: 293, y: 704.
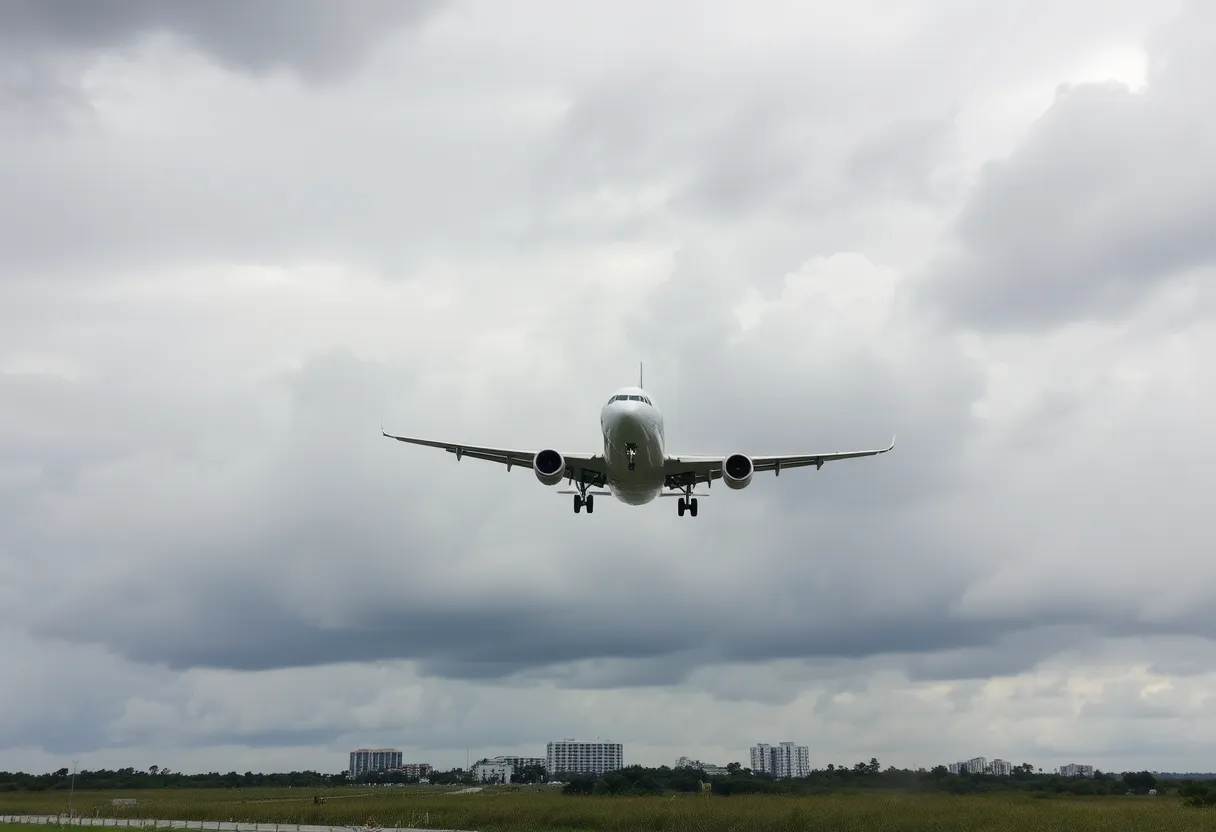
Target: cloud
x: 1111, y: 194
x: 207, y: 312
x: 317, y: 39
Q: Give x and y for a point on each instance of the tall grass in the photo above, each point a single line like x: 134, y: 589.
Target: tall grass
x: 522, y: 808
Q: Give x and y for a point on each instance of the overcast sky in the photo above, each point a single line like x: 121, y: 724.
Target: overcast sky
x: 233, y: 240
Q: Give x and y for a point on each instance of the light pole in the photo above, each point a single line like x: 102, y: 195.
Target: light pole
x: 72, y: 788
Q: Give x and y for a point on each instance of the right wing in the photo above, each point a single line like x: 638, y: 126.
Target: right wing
x: 587, y: 467
x: 698, y: 469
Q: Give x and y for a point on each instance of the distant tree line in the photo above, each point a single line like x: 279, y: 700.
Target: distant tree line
x: 639, y: 780
x: 156, y: 777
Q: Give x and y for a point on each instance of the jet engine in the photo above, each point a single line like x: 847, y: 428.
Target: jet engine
x: 549, y: 466
x: 737, y: 471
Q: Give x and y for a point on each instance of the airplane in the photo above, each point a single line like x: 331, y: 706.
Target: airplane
x: 634, y: 465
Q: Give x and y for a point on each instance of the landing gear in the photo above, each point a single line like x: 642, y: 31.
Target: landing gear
x: 684, y: 482
x: 631, y: 453
x: 584, y: 499
x: 584, y: 481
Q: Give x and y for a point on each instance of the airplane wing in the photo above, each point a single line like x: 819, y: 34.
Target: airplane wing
x: 690, y: 470
x: 590, y: 467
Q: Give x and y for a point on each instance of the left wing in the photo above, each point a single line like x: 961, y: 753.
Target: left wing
x: 588, y: 467
x: 689, y: 470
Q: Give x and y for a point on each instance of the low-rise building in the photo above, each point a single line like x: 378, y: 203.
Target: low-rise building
x: 709, y: 769
x: 415, y: 769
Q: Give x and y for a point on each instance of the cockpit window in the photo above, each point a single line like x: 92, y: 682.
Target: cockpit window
x: 629, y: 398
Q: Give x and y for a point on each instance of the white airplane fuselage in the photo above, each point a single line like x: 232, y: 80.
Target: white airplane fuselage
x: 632, y: 426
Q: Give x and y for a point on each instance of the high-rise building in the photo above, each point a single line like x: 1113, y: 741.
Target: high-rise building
x: 364, y: 760
x: 570, y: 757
x: 1075, y: 770
x: 1001, y: 768
x: 782, y: 760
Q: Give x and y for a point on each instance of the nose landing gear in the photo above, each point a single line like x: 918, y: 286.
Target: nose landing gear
x: 631, y: 453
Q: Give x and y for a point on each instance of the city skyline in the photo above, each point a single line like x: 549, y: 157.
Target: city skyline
x: 784, y: 759
x: 238, y: 245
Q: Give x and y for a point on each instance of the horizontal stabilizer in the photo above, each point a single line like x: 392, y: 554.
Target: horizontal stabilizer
x: 601, y: 493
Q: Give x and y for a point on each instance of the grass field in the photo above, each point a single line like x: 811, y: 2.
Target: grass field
x: 524, y: 808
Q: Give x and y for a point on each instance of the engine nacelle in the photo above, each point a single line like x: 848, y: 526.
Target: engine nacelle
x: 737, y: 471
x: 549, y: 466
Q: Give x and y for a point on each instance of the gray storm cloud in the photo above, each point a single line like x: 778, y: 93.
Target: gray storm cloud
x: 315, y: 38
x: 206, y: 312
x: 1113, y: 193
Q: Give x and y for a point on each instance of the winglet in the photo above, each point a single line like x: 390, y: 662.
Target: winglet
x: 892, y: 445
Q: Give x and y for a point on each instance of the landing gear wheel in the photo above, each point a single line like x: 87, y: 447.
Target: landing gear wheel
x: 680, y: 506
x: 578, y: 503
x: 692, y: 507
x: 590, y: 503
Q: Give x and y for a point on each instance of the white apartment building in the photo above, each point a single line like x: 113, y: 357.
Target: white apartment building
x: 976, y: 765
x: 1074, y: 770
x: 980, y: 765
x: 363, y: 760
x: 570, y: 757
x: 493, y: 771
x: 782, y: 760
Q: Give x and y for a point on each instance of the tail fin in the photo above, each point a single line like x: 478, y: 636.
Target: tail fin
x: 639, y: 374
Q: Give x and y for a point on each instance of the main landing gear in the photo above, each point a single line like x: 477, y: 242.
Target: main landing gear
x: 685, y: 482
x: 582, y: 498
